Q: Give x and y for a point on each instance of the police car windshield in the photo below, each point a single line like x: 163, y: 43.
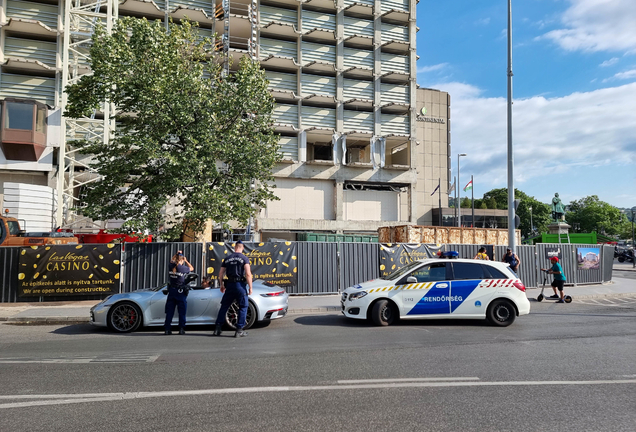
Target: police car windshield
x: 402, y: 271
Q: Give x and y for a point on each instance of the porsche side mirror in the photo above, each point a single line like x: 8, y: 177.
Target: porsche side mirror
x: 191, y: 277
x: 165, y: 291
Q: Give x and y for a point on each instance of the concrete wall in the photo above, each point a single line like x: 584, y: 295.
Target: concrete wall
x: 302, y: 199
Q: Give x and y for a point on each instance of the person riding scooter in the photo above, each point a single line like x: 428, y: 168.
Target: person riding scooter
x: 559, y: 279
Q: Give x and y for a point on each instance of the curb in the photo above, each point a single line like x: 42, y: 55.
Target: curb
x: 45, y: 320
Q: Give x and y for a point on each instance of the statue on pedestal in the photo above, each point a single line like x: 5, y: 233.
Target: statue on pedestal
x: 558, y: 211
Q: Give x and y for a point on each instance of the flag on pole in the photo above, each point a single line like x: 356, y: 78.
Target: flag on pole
x: 433, y: 193
x: 451, y: 188
x: 469, y: 186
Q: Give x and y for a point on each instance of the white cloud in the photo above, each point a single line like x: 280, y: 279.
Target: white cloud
x: 609, y: 62
x: 626, y: 75
x: 483, y: 21
x: 597, y: 25
x: 553, y: 137
x: 458, y: 90
x: 432, y: 68
x: 630, y: 74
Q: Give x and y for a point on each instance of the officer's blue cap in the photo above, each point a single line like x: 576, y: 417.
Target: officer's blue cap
x: 238, y: 242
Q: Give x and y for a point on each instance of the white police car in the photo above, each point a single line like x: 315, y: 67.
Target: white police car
x: 440, y: 288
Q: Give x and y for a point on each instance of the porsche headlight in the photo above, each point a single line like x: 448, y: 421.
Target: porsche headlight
x: 105, y: 300
x: 357, y: 296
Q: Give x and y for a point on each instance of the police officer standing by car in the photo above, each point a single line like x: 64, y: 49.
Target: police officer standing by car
x: 178, y: 268
x: 239, y: 276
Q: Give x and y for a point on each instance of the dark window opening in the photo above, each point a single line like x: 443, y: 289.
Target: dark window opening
x: 323, y: 152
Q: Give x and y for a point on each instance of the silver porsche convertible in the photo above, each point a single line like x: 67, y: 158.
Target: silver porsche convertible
x: 127, y: 312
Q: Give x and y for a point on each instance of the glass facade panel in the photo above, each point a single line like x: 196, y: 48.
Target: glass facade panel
x: 19, y: 116
x: 40, y: 120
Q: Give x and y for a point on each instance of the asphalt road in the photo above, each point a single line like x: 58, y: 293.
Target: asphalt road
x: 565, y: 367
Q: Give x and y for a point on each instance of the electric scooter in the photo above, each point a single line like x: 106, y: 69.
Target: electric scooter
x: 540, y: 297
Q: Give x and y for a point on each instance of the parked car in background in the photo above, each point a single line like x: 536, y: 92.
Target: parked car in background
x: 128, y: 312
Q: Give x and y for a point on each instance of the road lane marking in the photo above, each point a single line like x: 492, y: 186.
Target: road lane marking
x: 612, y: 302
x: 119, y: 358
x: 65, y: 399
x: 392, y: 380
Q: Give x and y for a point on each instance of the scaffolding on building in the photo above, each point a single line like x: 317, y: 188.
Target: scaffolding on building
x: 75, y: 172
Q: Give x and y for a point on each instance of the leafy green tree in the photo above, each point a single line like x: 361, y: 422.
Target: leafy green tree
x: 187, y: 135
x: 592, y: 214
x: 482, y: 205
x: 465, y: 203
x: 625, y: 231
x: 498, y: 198
x: 491, y: 203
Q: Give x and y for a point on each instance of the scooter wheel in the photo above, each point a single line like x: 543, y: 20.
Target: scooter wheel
x: 540, y: 298
x: 568, y: 299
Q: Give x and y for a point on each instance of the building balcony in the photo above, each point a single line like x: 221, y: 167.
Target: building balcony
x: 146, y: 8
x: 363, y: 8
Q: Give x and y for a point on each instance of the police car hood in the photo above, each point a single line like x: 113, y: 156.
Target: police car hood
x: 374, y: 283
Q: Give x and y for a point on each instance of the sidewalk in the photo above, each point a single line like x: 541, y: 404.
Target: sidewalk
x: 78, y: 311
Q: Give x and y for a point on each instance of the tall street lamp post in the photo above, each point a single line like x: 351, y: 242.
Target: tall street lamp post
x: 459, y: 205
x: 511, y: 185
x: 531, y: 225
x: 633, y: 245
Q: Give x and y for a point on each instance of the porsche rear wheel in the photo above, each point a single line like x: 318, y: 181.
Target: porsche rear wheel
x: 231, y: 317
x: 124, y: 317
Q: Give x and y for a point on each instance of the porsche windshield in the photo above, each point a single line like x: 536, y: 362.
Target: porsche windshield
x: 402, y: 271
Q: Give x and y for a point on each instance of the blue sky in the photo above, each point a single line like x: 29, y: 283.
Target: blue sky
x: 574, y: 90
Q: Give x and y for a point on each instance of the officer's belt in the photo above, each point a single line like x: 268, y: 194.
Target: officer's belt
x: 236, y: 279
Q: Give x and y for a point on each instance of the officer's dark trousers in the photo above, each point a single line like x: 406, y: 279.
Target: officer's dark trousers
x: 234, y: 291
x: 178, y: 300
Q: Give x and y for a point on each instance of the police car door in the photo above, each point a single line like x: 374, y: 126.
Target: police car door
x: 470, y: 292
x: 425, y: 291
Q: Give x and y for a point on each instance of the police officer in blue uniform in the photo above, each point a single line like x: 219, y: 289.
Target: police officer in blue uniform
x: 178, y: 268
x: 239, y: 276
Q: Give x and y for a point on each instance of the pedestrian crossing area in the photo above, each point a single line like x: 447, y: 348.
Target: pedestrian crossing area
x: 107, y: 358
x: 626, y: 301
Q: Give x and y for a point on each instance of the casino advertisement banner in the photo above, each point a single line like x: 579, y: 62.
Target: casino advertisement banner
x: 274, y: 262
x: 394, y: 256
x: 59, y: 270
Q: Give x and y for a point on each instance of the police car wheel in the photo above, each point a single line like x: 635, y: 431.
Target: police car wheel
x: 501, y: 313
x: 383, y: 313
x: 231, y: 317
x: 124, y: 317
